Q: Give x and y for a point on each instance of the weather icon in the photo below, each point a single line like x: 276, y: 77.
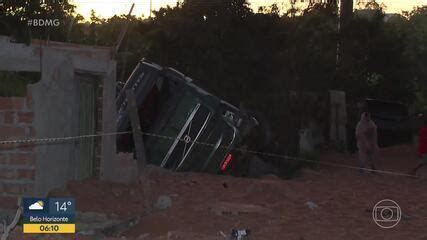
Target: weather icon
x: 36, y: 206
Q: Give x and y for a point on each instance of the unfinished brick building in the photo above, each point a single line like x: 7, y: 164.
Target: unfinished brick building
x: 75, y: 96
x: 17, y: 164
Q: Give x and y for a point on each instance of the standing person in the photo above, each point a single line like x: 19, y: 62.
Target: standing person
x: 367, y: 143
x: 422, y: 146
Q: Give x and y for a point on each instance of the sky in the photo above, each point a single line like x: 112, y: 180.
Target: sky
x: 108, y: 8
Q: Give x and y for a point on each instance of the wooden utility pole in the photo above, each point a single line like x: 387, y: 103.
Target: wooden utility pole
x: 345, y: 16
x: 151, y: 7
x: 136, y: 129
x: 139, y: 148
x: 124, y: 30
x: 346, y: 12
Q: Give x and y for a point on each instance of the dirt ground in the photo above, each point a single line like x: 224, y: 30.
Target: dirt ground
x: 325, y: 203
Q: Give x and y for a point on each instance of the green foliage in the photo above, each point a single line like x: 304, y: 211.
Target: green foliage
x: 421, y: 103
x: 14, y: 84
x: 255, y: 59
x: 374, y: 63
x: 417, y: 46
x: 15, y: 13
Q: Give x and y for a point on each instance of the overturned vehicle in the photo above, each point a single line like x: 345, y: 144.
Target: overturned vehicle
x: 185, y: 128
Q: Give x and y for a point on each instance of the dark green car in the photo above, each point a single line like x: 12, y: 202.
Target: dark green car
x: 185, y: 128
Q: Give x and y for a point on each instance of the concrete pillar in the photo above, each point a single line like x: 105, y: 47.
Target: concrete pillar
x: 108, y: 151
x: 56, y: 106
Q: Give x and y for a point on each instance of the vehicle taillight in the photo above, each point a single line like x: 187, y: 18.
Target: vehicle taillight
x: 226, y: 162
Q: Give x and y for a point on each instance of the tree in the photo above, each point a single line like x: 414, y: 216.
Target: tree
x: 16, y: 13
x: 374, y: 64
x: 416, y: 51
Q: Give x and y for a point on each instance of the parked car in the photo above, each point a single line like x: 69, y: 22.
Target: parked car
x: 393, y: 121
x: 185, y: 128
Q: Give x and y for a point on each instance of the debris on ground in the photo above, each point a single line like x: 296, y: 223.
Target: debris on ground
x: 199, y: 206
x: 163, y: 202
x: 240, y: 234
x: 311, y: 205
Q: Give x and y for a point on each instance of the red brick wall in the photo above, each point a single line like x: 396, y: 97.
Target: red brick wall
x: 17, y: 161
